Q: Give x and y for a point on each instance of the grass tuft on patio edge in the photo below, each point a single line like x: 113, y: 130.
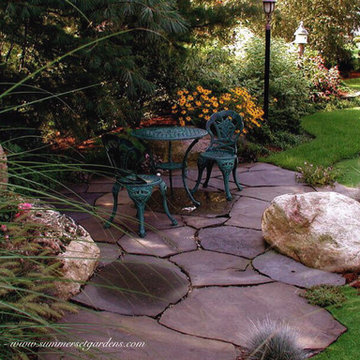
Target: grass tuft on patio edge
x: 337, y: 135
x: 348, y: 345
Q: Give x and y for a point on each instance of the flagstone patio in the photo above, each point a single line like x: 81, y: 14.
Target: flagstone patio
x: 194, y: 291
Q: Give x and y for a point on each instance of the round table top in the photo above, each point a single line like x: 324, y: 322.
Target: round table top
x: 169, y: 133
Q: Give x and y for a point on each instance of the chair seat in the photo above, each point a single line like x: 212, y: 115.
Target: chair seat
x: 218, y: 155
x: 140, y: 180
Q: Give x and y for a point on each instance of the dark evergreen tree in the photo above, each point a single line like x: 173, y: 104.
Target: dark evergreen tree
x: 97, y: 86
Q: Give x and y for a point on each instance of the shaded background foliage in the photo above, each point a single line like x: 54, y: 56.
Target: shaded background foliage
x: 181, y: 43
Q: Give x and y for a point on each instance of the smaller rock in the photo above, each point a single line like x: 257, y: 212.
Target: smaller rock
x: 75, y: 248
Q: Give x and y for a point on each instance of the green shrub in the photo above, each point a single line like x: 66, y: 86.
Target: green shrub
x: 250, y: 152
x: 325, y: 295
x: 316, y: 175
x: 289, y: 90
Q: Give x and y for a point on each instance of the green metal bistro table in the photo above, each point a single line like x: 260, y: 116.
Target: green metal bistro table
x: 174, y: 133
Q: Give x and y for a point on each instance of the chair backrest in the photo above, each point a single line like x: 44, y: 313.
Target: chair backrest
x: 124, y: 157
x: 225, y: 128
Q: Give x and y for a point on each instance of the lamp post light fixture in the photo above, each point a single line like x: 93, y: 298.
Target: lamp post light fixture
x: 301, y: 38
x: 269, y: 7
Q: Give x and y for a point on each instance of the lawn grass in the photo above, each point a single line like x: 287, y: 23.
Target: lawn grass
x: 353, y: 84
x: 347, y: 347
x: 349, y: 172
x: 337, y: 138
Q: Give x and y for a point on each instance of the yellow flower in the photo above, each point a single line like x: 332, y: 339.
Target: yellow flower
x: 207, y: 117
x: 182, y: 122
x: 188, y: 118
x: 198, y: 103
x: 201, y: 115
x: 174, y: 107
x: 190, y: 98
x: 226, y: 108
x: 183, y: 112
x: 174, y: 111
x: 205, y: 111
x: 207, y: 105
x: 215, y: 104
x: 195, y: 93
x: 180, y: 92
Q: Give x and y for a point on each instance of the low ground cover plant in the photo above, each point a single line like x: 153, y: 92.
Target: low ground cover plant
x: 316, y: 175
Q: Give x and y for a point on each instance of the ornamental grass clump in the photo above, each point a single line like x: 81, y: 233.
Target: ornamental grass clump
x: 197, y: 106
x: 274, y: 341
x: 28, y: 270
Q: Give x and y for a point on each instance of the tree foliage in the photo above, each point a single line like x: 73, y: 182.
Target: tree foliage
x: 98, y: 85
x: 331, y: 25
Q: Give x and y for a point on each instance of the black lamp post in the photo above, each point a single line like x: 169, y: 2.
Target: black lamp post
x: 269, y: 7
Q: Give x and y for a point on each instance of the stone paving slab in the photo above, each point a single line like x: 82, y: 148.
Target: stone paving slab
x: 200, y: 222
x: 207, y: 268
x: 160, y: 343
x: 247, y: 213
x: 161, y: 243
x: 100, y: 187
x: 276, y: 177
x: 73, y: 188
x: 135, y: 285
x: 126, y: 218
x: 289, y: 271
x: 108, y: 253
x: 259, y: 166
x: 218, y: 183
x: 95, y: 179
x: 269, y: 193
x: 107, y: 199
x: 98, y: 232
x: 229, y: 314
x: 232, y: 240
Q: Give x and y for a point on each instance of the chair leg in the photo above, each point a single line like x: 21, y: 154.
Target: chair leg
x: 140, y: 195
x: 235, y: 175
x: 115, y: 191
x: 201, y: 163
x: 209, y: 166
x: 226, y: 167
x: 163, y: 188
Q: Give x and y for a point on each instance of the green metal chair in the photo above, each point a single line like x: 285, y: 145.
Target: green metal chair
x: 224, y: 128
x: 125, y: 158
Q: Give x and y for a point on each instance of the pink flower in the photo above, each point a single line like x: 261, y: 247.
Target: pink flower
x: 25, y: 206
x: 3, y: 228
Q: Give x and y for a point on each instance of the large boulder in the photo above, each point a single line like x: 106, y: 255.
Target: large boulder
x: 3, y: 169
x: 319, y: 229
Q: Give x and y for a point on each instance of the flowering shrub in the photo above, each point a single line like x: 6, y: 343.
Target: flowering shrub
x: 324, y: 82
x: 201, y: 104
x: 316, y: 175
